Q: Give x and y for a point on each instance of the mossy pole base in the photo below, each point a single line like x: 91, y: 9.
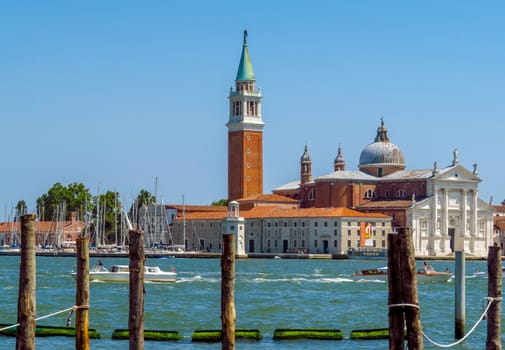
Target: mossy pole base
x: 82, y: 295
x: 494, y: 268
x: 228, y: 316
x: 308, y: 333
x: 25, y: 337
x: 136, y: 313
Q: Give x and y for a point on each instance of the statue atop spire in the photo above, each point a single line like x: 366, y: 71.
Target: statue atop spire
x: 245, y: 37
x: 382, y: 133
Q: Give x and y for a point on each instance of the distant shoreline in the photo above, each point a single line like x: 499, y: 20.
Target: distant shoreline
x: 204, y: 255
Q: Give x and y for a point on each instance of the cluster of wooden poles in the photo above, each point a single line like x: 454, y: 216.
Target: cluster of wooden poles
x: 404, y: 313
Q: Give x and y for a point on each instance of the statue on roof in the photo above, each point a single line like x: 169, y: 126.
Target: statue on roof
x: 245, y: 37
x: 455, y: 157
x: 475, y: 168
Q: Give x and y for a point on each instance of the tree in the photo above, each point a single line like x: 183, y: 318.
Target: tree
x: 21, y: 209
x: 109, y: 215
x: 59, y: 199
x: 221, y: 202
x: 143, y: 198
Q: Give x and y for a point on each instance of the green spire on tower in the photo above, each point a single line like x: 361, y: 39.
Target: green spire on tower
x: 245, y: 70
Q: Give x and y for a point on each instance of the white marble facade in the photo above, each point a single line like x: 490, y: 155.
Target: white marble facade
x: 452, y: 217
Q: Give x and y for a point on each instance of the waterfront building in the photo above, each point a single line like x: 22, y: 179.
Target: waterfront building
x: 325, y: 213
x: 441, y: 205
x: 48, y: 233
x: 277, y: 229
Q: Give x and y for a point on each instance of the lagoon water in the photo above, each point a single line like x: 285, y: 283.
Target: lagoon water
x: 269, y: 294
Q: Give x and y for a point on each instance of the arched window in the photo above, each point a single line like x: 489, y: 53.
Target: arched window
x: 370, y: 194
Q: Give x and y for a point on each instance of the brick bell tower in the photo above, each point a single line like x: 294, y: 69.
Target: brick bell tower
x: 245, y: 133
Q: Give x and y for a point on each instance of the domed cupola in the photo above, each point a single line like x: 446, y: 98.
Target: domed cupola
x: 381, y: 157
x: 339, y: 163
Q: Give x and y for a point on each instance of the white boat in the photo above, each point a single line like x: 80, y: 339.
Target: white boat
x: 120, y: 273
x: 424, y: 275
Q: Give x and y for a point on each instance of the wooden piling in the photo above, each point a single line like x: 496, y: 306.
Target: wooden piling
x: 25, y: 336
x: 228, y: 316
x: 494, y: 268
x: 409, y: 295
x: 459, y: 307
x: 82, y: 295
x: 136, y: 313
x: 395, y: 315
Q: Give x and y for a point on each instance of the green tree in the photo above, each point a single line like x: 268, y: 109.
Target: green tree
x: 74, y: 197
x: 21, y: 209
x: 221, y: 202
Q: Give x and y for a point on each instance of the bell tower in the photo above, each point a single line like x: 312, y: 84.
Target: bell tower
x: 245, y: 133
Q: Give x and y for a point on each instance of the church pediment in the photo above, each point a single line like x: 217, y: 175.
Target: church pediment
x: 457, y: 173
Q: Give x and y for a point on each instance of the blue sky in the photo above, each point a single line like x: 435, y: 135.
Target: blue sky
x: 115, y: 94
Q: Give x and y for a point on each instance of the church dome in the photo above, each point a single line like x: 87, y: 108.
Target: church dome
x: 384, y: 153
x: 381, y: 157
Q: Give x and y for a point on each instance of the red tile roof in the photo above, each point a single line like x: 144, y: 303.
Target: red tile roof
x: 262, y: 212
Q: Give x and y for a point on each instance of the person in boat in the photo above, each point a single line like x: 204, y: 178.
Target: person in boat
x: 427, y: 267
x: 99, y: 266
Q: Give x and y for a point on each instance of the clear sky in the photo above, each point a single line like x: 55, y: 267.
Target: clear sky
x: 115, y: 94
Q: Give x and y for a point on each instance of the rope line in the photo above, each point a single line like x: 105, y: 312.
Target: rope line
x: 75, y: 307
x: 490, y: 302
x: 402, y: 305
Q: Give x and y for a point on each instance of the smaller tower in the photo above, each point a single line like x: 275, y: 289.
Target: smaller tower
x: 233, y: 224
x: 339, y: 164
x: 305, y: 167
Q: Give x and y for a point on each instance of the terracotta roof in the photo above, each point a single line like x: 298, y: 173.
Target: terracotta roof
x: 386, y: 204
x: 42, y: 226
x: 267, y: 198
x: 197, y: 208
x: 264, y: 212
x: 499, y: 208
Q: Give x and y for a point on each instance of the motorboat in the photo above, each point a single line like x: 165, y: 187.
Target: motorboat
x: 424, y: 275
x: 367, y: 253
x: 121, y: 273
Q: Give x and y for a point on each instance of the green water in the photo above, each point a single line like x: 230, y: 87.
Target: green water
x: 269, y: 294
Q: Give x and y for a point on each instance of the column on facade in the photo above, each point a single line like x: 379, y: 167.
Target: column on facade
x: 445, y: 213
x: 474, y: 228
x: 465, y: 215
x: 434, y: 222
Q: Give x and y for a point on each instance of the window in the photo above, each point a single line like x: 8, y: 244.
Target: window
x: 315, y: 243
x: 285, y: 224
x: 268, y: 243
x: 401, y: 193
x: 335, y: 224
x: 275, y: 243
x: 315, y: 224
x: 303, y: 243
x: 349, y: 244
x: 348, y: 232
x: 335, y: 243
x: 383, y: 244
x: 325, y: 224
x: 335, y: 232
x: 294, y: 243
x: 312, y: 195
x: 370, y: 194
